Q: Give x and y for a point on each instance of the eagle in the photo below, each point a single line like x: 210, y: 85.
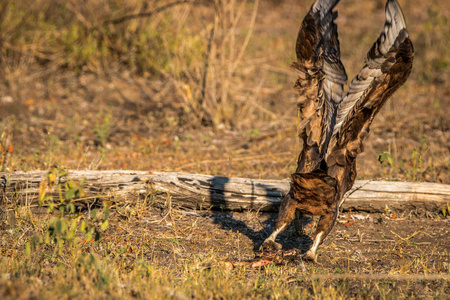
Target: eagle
x: 333, y: 125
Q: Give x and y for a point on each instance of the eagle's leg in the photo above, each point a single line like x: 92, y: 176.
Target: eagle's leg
x: 323, y: 228
x: 285, y: 217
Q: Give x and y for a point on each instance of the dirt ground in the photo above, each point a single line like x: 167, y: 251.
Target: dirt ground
x: 365, y: 255
x: 381, y: 244
x: 412, y: 249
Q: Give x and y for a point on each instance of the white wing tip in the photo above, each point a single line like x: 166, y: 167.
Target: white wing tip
x: 394, y: 13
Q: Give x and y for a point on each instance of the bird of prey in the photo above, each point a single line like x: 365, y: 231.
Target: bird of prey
x: 333, y: 125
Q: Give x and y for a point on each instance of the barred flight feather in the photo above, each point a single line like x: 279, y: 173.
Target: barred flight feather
x: 332, y: 130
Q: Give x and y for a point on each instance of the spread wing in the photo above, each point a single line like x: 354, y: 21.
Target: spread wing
x: 387, y: 67
x: 321, y: 77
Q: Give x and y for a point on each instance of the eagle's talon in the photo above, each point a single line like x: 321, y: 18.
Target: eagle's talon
x: 270, y: 246
x: 310, y: 256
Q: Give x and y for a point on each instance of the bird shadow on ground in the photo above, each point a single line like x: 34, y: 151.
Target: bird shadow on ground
x: 222, y: 216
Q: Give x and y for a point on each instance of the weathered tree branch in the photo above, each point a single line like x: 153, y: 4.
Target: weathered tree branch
x: 206, y: 191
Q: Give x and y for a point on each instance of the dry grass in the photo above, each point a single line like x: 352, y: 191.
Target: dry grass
x: 145, y: 252
x: 205, y: 87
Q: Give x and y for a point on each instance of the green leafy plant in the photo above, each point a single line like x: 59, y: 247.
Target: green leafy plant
x: 415, y: 174
x: 446, y: 210
x: 385, y: 159
x: 66, y: 227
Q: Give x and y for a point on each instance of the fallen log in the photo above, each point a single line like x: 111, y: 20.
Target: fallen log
x: 197, y: 191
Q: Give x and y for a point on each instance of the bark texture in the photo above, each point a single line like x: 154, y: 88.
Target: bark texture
x: 197, y: 191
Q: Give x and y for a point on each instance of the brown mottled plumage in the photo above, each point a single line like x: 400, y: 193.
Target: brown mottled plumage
x: 333, y: 127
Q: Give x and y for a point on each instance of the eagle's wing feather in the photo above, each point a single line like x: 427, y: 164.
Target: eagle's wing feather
x: 321, y: 77
x: 387, y: 67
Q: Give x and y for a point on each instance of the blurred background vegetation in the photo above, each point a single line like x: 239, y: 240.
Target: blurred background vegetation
x: 120, y: 84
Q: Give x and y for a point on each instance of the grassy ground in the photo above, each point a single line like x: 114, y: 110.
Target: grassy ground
x: 203, y: 90
x: 146, y: 252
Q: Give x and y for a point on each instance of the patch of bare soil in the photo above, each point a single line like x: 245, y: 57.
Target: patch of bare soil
x: 359, y: 244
